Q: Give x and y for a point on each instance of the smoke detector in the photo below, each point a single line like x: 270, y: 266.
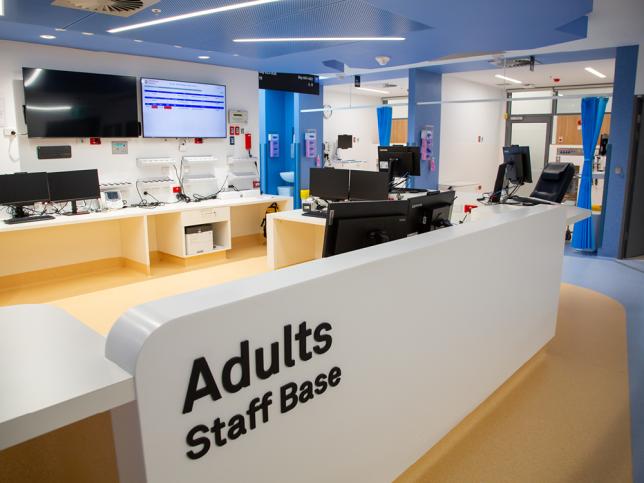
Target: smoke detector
x: 383, y: 60
x: 119, y: 8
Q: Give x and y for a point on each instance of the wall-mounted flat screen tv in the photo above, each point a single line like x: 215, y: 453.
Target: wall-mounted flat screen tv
x: 177, y: 109
x: 77, y: 104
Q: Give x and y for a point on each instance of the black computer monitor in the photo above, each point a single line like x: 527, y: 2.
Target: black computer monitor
x: 368, y: 185
x: 360, y: 224
x: 430, y: 212
x: 345, y: 141
x: 23, y: 189
x: 518, y: 166
x: 74, y: 186
x: 329, y: 184
x: 399, y: 161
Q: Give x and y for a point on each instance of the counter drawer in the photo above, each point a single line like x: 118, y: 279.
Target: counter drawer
x: 205, y: 215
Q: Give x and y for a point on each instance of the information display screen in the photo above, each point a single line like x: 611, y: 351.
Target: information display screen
x: 176, y: 109
x: 302, y: 83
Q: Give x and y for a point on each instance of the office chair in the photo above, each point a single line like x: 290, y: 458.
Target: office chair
x: 554, y: 182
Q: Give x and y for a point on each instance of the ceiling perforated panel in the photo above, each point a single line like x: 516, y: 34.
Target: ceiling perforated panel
x: 433, y: 29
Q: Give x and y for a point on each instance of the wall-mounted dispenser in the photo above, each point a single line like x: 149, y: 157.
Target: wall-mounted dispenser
x: 311, y: 143
x: 274, y: 145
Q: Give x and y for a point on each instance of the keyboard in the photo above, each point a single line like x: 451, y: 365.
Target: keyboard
x: 28, y: 219
x: 532, y: 201
x: 316, y: 213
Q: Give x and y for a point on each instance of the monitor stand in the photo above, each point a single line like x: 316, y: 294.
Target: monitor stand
x: 75, y: 210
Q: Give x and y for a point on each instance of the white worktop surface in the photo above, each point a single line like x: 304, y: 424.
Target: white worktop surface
x: 131, y: 212
x: 53, y: 372
x: 296, y: 216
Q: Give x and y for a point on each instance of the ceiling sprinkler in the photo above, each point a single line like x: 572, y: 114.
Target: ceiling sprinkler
x: 382, y: 60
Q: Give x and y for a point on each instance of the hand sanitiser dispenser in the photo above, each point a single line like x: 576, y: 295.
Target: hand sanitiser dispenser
x: 310, y: 143
x: 273, y: 145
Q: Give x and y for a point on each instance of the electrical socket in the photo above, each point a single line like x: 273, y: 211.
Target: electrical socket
x: 9, y: 131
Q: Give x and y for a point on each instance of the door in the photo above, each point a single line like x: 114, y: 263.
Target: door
x: 535, y: 132
x: 633, y: 236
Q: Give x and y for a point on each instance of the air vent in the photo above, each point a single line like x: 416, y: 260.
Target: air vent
x: 500, y: 61
x: 119, y: 8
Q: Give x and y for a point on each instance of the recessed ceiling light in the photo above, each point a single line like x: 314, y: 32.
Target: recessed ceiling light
x: 184, y: 16
x: 48, y: 37
x: 61, y: 30
x: 178, y: 47
x: 87, y: 33
x: 235, y: 55
x: 378, y: 91
x: 204, y: 57
x: 322, y: 39
x: 138, y: 41
x: 509, y: 79
x: 1, y: 8
x: 595, y: 72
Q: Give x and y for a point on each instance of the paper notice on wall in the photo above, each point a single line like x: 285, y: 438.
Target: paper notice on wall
x: 3, y: 117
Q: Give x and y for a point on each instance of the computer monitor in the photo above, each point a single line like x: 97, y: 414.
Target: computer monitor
x: 430, y: 212
x: 399, y: 161
x: 518, y: 166
x: 74, y: 186
x: 329, y: 184
x: 345, y: 141
x: 368, y: 185
x: 360, y: 224
x: 23, y: 189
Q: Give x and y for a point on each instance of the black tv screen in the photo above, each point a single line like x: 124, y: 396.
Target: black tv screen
x: 76, y: 104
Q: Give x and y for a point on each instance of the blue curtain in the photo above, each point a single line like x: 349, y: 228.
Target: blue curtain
x: 592, y: 115
x: 385, y: 113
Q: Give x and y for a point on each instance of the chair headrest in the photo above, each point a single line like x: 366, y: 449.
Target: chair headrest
x: 554, y: 171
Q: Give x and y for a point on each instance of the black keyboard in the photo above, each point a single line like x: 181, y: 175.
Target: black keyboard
x: 532, y: 201
x: 28, y: 219
x: 316, y: 213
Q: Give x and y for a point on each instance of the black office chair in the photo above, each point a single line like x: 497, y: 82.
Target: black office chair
x: 554, y: 182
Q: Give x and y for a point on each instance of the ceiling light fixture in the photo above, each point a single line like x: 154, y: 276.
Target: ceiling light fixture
x: 61, y: 30
x: 204, y: 57
x: 48, y: 37
x: 178, y: 47
x: 377, y: 91
x: 87, y: 33
x: 1, y: 8
x: 595, y: 72
x: 509, y: 79
x: 185, y: 16
x: 322, y: 39
x: 32, y: 78
x: 138, y: 41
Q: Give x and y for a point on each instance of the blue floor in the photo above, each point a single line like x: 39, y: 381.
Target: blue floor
x: 623, y: 281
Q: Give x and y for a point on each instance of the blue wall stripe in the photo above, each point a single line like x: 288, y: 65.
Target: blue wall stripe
x: 425, y: 86
x: 621, y: 135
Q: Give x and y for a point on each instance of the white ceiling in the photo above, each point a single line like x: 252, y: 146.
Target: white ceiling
x: 572, y: 73
x: 389, y: 88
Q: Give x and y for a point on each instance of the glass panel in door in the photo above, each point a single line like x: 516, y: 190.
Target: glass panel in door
x: 534, y: 135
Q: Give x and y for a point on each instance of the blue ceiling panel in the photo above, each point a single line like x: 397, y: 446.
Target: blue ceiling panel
x: 433, y: 29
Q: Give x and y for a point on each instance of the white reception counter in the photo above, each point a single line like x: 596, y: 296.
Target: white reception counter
x: 274, y: 374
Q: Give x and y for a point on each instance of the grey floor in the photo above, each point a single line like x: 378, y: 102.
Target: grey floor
x: 622, y: 280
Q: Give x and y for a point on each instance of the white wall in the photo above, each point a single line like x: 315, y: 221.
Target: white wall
x: 361, y: 123
x: 242, y: 93
x: 639, y: 81
x: 462, y: 156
